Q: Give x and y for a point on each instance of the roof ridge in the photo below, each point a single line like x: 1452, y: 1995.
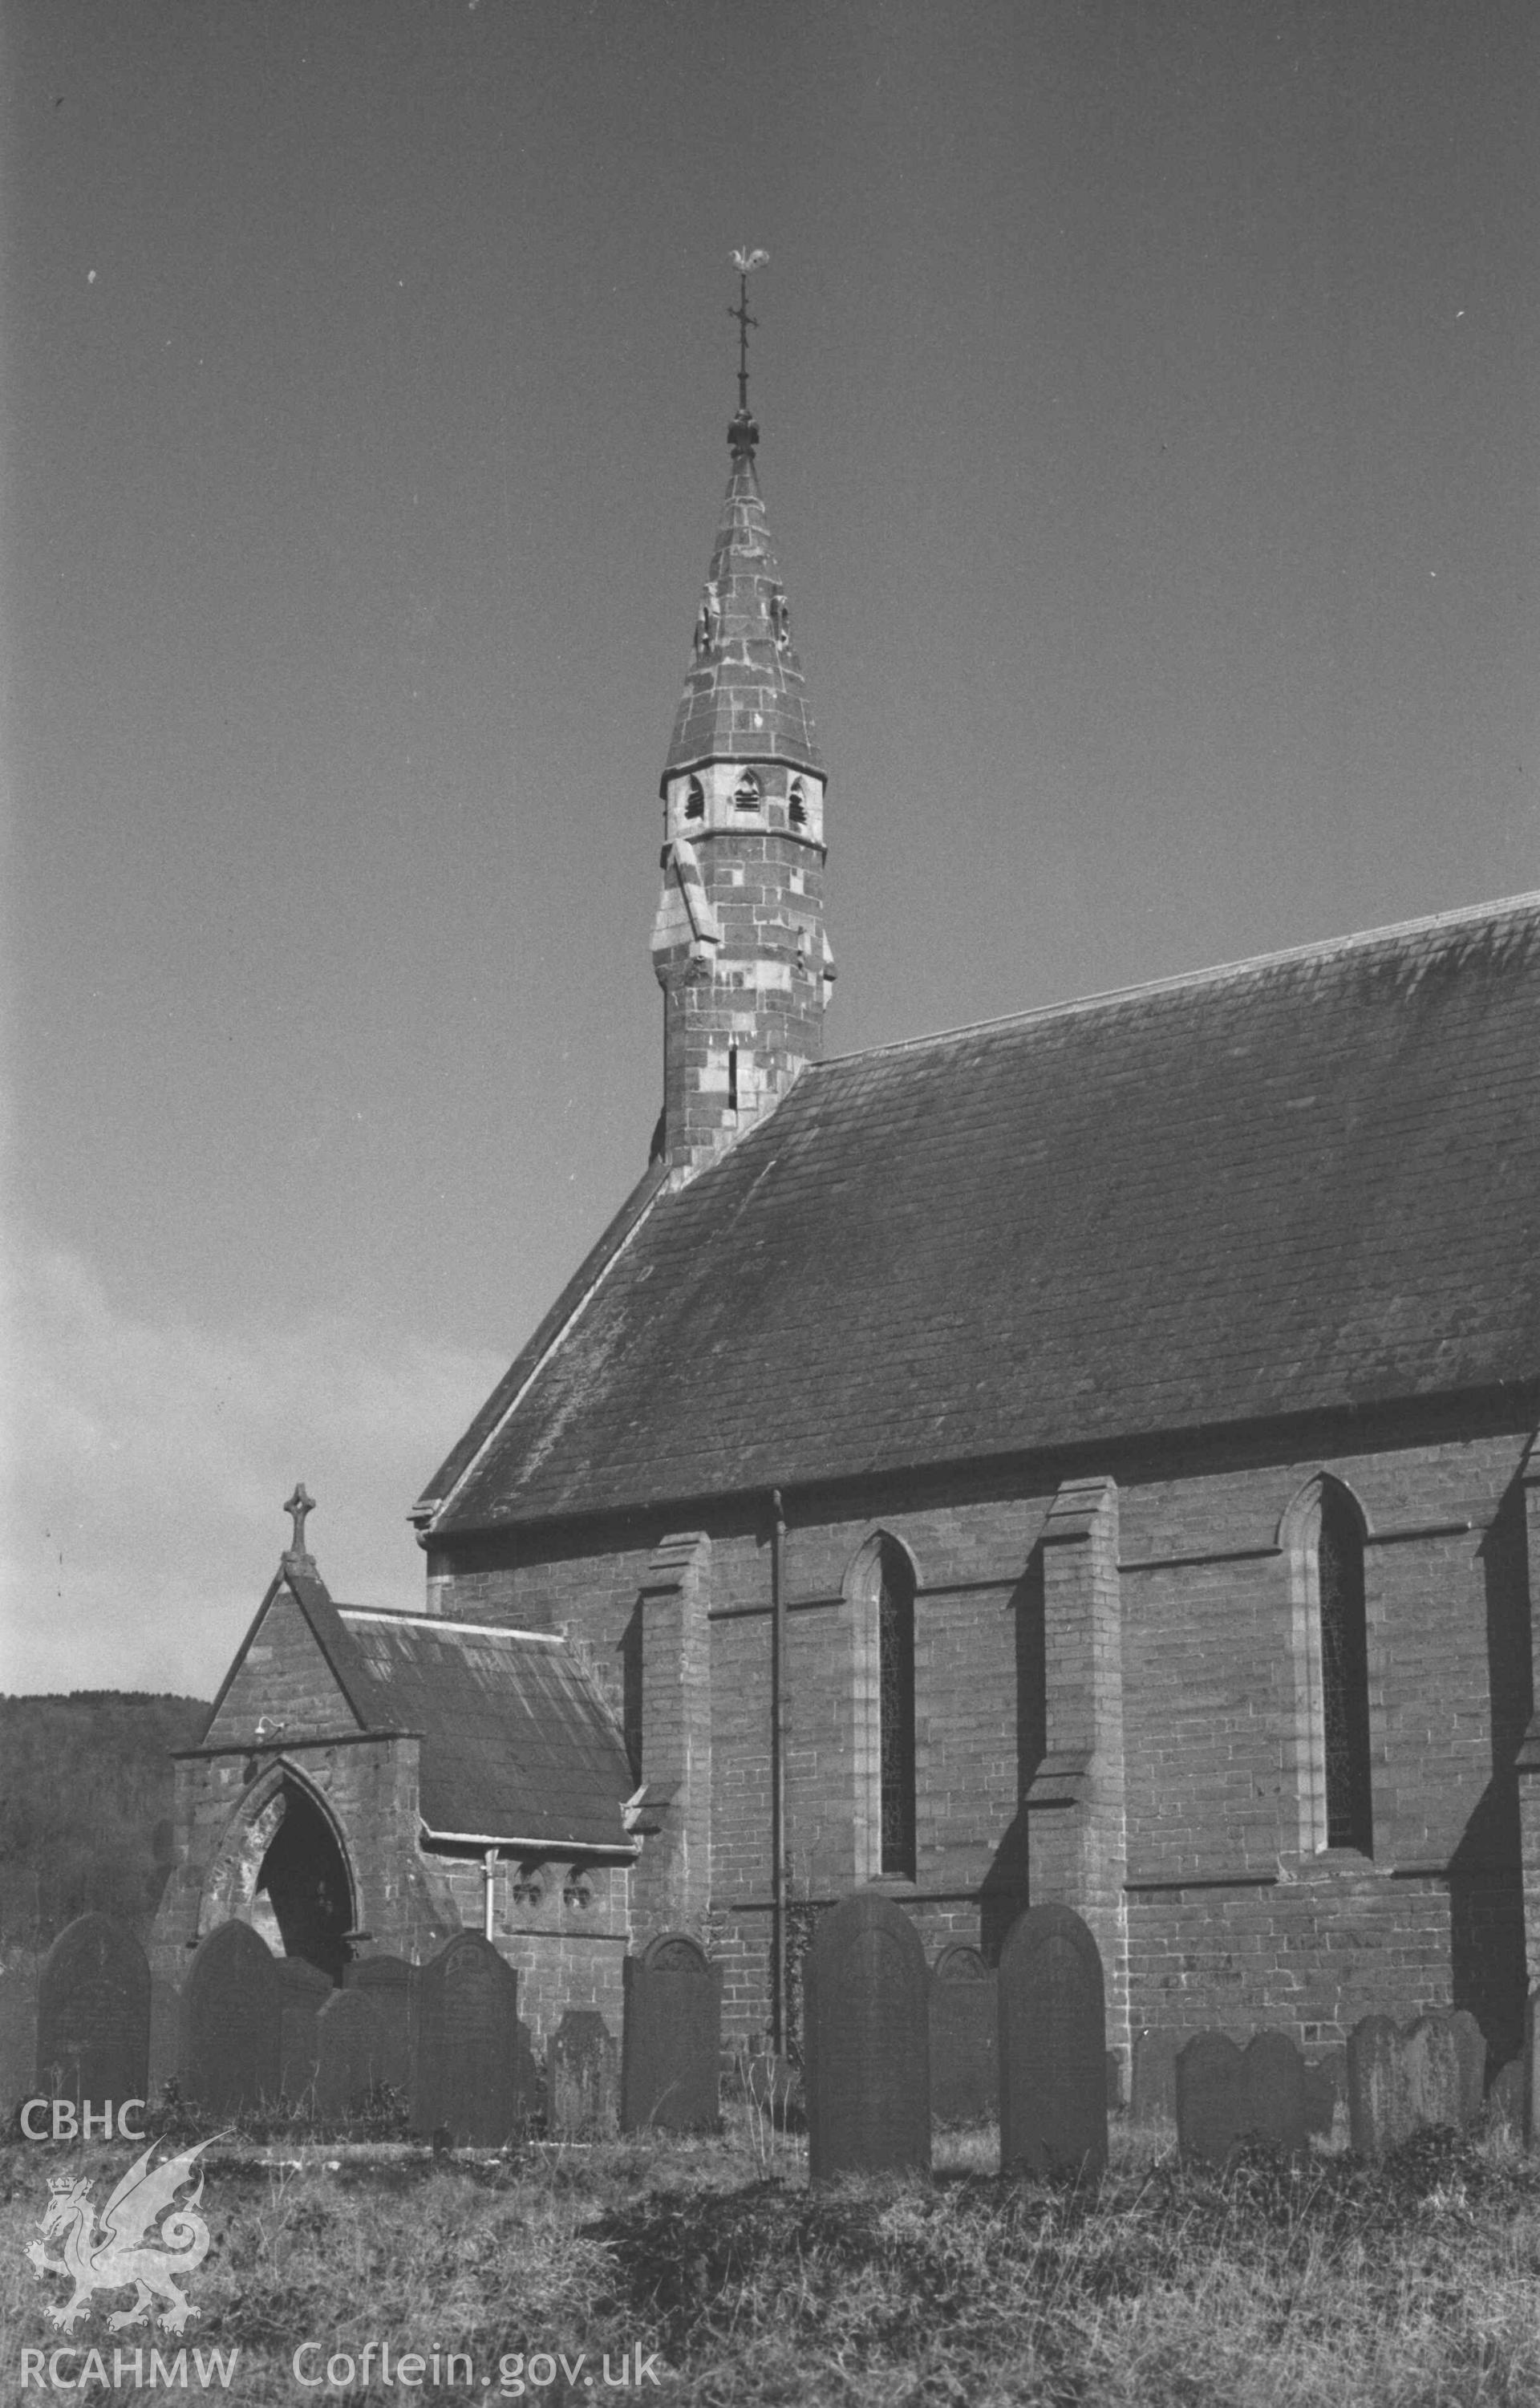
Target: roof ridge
x: 437, y: 1622
x: 1323, y: 948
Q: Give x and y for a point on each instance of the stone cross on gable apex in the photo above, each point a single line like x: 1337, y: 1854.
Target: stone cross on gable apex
x: 298, y: 1506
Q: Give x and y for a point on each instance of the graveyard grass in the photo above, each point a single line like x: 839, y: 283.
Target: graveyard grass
x: 1265, y: 2286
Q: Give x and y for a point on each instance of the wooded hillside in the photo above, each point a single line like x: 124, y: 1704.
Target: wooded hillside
x: 85, y: 1805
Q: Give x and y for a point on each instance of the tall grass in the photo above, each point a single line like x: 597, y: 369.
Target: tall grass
x: 1416, y: 2284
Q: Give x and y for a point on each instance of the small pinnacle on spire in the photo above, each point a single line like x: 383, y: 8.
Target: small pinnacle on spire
x: 297, y: 1507
x: 742, y: 435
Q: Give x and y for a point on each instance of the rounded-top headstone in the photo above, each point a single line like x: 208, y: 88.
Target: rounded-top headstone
x: 1435, y: 2080
x: 93, y: 2013
x: 867, y: 2075
x: 1273, y: 2092
x: 675, y: 1952
x: 670, y: 2044
x: 380, y: 1973
x: 232, y: 2022
x: 964, y: 2038
x: 392, y: 1984
x: 1053, y: 2077
x: 1378, y: 2092
x: 1210, y: 2098
x: 961, y: 1963
x: 350, y: 2049
x: 581, y: 2086
x: 465, y: 2077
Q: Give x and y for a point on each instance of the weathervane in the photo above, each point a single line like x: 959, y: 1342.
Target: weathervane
x: 743, y: 433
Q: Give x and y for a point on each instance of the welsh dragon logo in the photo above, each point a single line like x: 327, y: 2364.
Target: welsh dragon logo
x: 124, y: 2249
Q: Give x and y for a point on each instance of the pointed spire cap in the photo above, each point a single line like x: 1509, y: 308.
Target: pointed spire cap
x: 743, y: 698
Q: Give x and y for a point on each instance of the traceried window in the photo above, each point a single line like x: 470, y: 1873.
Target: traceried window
x: 895, y: 1609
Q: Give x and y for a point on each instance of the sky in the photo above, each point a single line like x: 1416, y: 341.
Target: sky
x: 1148, y: 404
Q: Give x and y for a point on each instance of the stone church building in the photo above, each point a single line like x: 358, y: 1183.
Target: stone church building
x: 1087, y: 1457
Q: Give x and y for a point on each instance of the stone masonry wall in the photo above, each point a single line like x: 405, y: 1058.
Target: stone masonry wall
x: 564, y: 1928
x: 741, y: 1016
x: 1222, y: 1910
x: 285, y: 1678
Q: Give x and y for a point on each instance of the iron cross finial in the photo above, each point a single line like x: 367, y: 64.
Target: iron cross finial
x: 299, y: 1505
x: 745, y: 261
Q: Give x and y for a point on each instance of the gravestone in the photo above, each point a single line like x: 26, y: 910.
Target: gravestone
x: 390, y: 1984
x: 1435, y: 2082
x: 582, y: 2078
x: 866, y: 2074
x: 1210, y: 2098
x: 1505, y: 2099
x: 1053, y: 2082
x: 964, y: 2039
x: 18, y: 2032
x: 166, y: 2034
x: 1320, y: 2100
x: 93, y: 2013
x: 466, y: 2079
x: 1115, y: 2082
x: 1470, y: 2043
x: 671, y: 2039
x: 1273, y: 2091
x: 1154, y: 2094
x: 351, y: 2046
x: 232, y: 2023
x: 303, y: 1990
x: 1531, y: 2084
x: 1378, y: 2096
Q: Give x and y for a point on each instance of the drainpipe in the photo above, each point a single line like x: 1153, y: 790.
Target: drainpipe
x: 489, y: 1891
x: 777, y: 1781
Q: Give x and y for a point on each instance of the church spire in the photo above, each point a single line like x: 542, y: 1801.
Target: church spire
x: 739, y: 944
x: 743, y: 698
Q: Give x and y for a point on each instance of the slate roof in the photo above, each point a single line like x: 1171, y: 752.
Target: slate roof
x: 743, y: 697
x: 515, y: 1743
x: 1307, y: 1181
